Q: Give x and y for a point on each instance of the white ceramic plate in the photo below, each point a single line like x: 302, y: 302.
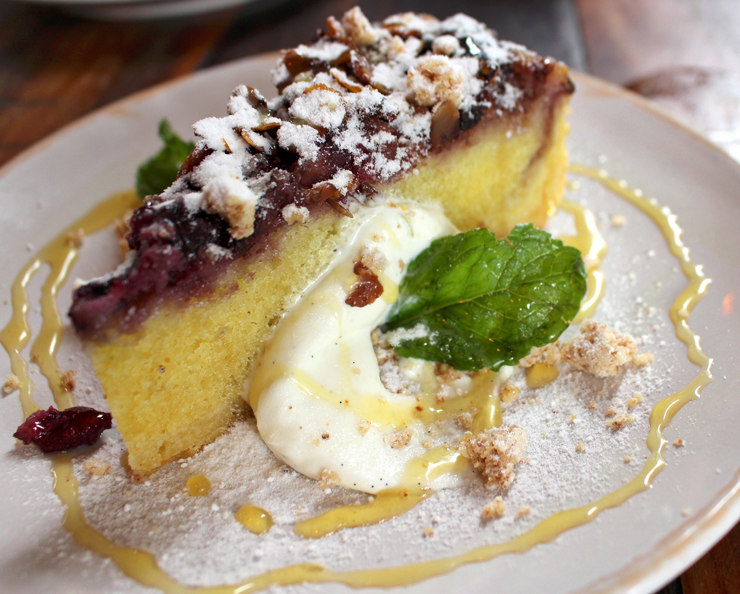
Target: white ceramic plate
x: 115, y: 10
x: 636, y: 547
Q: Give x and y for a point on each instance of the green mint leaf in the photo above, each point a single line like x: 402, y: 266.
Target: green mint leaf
x: 474, y: 301
x: 158, y: 173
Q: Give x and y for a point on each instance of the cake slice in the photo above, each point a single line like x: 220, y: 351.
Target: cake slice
x: 435, y: 112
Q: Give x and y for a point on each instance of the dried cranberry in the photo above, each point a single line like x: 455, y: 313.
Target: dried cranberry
x: 56, y: 430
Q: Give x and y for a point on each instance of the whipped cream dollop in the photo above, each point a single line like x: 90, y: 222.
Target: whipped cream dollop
x: 317, y: 393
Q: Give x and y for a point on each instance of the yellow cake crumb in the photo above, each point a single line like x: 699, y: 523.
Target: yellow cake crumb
x: 618, y: 221
x: 524, y: 510
x: 494, y: 509
x: 642, y: 359
x: 580, y: 447
x: 328, y: 479
x: 428, y: 531
x: 592, y: 405
x: 510, y: 393
x: 634, y: 401
x: 12, y: 383
x: 363, y: 427
x: 75, y: 238
x: 68, y: 380
x: 628, y: 459
x: 494, y: 453
x: 619, y: 421
x: 96, y: 467
x: 679, y: 443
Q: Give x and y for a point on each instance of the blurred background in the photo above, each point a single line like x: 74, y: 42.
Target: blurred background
x: 61, y: 59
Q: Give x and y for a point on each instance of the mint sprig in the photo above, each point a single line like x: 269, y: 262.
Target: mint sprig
x: 474, y: 301
x: 157, y: 173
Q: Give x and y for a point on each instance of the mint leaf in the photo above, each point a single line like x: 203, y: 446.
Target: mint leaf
x: 158, y: 173
x: 474, y: 301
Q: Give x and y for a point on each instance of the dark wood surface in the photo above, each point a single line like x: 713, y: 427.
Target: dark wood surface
x: 683, y: 54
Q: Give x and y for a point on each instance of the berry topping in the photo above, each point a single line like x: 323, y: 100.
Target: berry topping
x: 56, y: 430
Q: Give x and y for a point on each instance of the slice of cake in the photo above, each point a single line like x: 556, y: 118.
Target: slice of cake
x: 436, y: 112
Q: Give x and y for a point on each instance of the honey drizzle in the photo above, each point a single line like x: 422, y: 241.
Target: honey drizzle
x: 253, y: 518
x: 142, y: 566
x: 59, y: 254
x: 589, y: 241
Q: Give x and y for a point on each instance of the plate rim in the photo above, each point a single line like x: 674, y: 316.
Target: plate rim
x: 677, y: 550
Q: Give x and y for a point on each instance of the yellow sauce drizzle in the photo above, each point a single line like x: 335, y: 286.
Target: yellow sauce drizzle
x: 59, y: 254
x: 253, y: 518
x: 142, y: 566
x: 386, y: 505
x: 589, y: 241
x: 541, y: 374
x: 198, y: 486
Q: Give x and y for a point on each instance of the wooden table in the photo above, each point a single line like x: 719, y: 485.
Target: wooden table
x: 683, y: 54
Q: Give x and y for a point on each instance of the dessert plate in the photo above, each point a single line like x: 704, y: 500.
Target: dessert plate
x: 123, y: 10
x: 635, y: 547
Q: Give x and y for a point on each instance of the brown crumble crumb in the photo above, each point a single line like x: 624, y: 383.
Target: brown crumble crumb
x: 328, y: 479
x: 548, y: 354
x: 325, y: 436
x: 96, y: 467
x: 363, y: 427
x: 293, y: 214
x: 68, y: 380
x: 580, y: 447
x: 372, y: 258
x: 494, y: 509
x: 599, y: 350
x: 611, y: 412
x: 592, y: 405
x: 510, y: 393
x: 618, y: 221
x: 465, y: 420
x: 35, y: 358
x: 428, y: 531
x: 620, y: 421
x: 634, y: 401
x: 74, y: 238
x: 495, y: 452
x: 401, y: 265
x: 427, y: 445
x: 399, y: 439
x: 524, y: 510
x: 679, y: 443
x: 446, y: 373
x: 573, y: 418
x: 12, y: 383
